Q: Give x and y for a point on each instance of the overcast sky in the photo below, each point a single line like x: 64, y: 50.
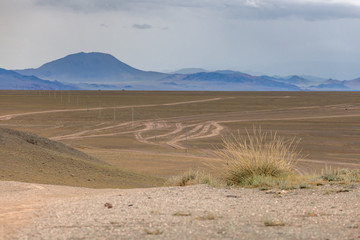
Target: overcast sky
x: 282, y: 37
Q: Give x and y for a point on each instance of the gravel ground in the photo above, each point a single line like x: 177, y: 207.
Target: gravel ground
x: 194, y: 212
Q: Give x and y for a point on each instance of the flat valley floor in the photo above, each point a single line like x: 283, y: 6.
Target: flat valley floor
x: 162, y: 134
x: 166, y: 133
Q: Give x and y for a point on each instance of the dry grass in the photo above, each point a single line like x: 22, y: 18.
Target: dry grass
x: 344, y: 176
x: 182, y: 214
x: 207, y: 216
x: 153, y: 231
x: 193, y: 177
x: 274, y: 223
x: 258, y: 157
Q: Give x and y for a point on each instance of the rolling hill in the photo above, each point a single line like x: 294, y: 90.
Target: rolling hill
x: 11, y: 80
x: 27, y: 157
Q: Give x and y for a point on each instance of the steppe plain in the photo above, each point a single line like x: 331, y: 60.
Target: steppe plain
x: 149, y: 136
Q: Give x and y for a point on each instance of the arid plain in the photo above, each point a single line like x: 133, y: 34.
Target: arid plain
x: 166, y: 133
x: 137, y: 139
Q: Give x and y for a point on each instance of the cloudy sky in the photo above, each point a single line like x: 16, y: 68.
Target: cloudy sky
x: 282, y: 37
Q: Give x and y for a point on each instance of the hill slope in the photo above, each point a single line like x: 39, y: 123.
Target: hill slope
x: 90, y: 67
x: 29, y: 158
x: 12, y: 80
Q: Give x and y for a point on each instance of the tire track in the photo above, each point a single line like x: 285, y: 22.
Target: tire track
x: 11, y: 116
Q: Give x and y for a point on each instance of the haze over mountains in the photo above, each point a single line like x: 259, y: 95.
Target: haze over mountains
x: 103, y: 71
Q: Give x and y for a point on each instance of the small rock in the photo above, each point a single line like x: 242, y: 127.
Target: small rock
x: 342, y: 190
x: 108, y: 205
x: 232, y: 196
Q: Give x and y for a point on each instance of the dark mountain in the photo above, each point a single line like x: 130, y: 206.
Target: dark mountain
x: 11, y: 80
x: 91, y: 68
x: 293, y: 80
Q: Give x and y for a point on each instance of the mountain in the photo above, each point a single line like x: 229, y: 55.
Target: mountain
x: 91, y: 68
x: 189, y: 71
x: 227, y: 80
x: 103, y: 71
x: 336, y: 85
x: 353, y: 84
x: 11, y: 80
x: 331, y: 85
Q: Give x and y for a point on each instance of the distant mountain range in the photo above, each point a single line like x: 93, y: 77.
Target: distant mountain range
x: 103, y: 71
x: 11, y: 80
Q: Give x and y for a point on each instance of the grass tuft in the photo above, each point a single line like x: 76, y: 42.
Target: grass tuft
x: 274, y: 223
x: 182, y: 214
x: 208, y: 216
x: 258, y: 157
x: 345, y: 176
x: 192, y: 177
x: 153, y: 231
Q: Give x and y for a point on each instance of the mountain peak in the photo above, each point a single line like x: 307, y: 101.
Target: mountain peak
x: 86, y: 67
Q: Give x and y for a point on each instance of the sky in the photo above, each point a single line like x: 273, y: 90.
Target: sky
x: 274, y: 37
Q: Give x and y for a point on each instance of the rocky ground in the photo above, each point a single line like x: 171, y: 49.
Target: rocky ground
x: 35, y: 211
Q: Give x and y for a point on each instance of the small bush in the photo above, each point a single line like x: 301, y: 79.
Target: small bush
x: 192, y: 177
x: 260, y: 154
x: 345, y: 176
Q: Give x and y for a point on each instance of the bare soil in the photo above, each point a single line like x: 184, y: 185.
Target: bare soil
x: 35, y: 211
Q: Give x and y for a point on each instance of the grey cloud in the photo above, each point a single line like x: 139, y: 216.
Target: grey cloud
x: 247, y: 9
x: 142, y: 26
x: 278, y: 9
x: 89, y: 6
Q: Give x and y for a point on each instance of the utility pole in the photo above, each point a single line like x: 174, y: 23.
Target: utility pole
x: 114, y: 113
x: 186, y: 139
x: 99, y: 109
x: 155, y: 125
x: 132, y: 117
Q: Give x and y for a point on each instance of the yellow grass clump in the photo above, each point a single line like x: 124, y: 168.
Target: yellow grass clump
x: 258, y: 154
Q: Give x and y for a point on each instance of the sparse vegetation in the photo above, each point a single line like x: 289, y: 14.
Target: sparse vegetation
x: 153, y: 231
x: 344, y: 176
x: 274, y: 223
x: 259, y: 158
x: 207, y: 216
x: 192, y: 177
x: 182, y: 214
x: 311, y: 214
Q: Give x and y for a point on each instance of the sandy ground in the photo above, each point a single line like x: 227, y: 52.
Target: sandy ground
x: 35, y: 211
